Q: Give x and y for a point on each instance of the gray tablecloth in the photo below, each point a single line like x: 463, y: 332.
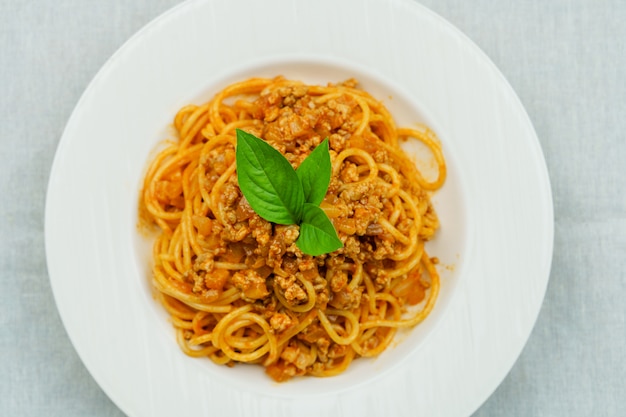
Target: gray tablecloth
x: 565, y: 59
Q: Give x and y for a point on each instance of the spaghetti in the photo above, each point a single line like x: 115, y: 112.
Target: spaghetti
x: 237, y: 287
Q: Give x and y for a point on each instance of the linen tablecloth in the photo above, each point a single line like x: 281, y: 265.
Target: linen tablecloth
x: 565, y: 59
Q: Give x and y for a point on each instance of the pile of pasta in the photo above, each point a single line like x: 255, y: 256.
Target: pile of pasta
x: 236, y: 286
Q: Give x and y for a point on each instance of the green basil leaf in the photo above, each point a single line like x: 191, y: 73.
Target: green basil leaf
x: 317, y: 233
x: 314, y: 173
x: 268, y: 181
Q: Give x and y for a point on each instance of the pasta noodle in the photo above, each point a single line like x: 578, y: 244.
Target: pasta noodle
x: 237, y: 288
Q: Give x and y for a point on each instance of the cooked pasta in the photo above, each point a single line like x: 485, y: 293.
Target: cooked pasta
x: 237, y: 287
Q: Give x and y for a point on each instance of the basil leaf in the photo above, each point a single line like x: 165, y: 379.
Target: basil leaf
x: 268, y: 181
x: 317, y: 234
x: 280, y: 194
x: 314, y: 173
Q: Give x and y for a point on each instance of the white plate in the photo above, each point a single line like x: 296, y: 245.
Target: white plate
x: 496, y: 208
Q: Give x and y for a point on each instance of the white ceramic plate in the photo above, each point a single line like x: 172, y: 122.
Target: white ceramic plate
x: 496, y: 209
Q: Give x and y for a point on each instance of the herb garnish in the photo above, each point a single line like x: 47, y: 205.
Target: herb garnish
x: 282, y: 195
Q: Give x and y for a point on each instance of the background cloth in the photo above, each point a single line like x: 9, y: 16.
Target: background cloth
x: 566, y: 60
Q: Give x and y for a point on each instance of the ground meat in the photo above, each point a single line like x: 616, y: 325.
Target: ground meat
x: 338, y: 279
x: 260, y: 229
x: 251, y: 284
x: 280, y: 322
x: 291, y: 289
x: 349, y: 173
x: 352, y: 247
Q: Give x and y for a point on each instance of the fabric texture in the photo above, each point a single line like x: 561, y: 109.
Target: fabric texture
x: 566, y: 60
